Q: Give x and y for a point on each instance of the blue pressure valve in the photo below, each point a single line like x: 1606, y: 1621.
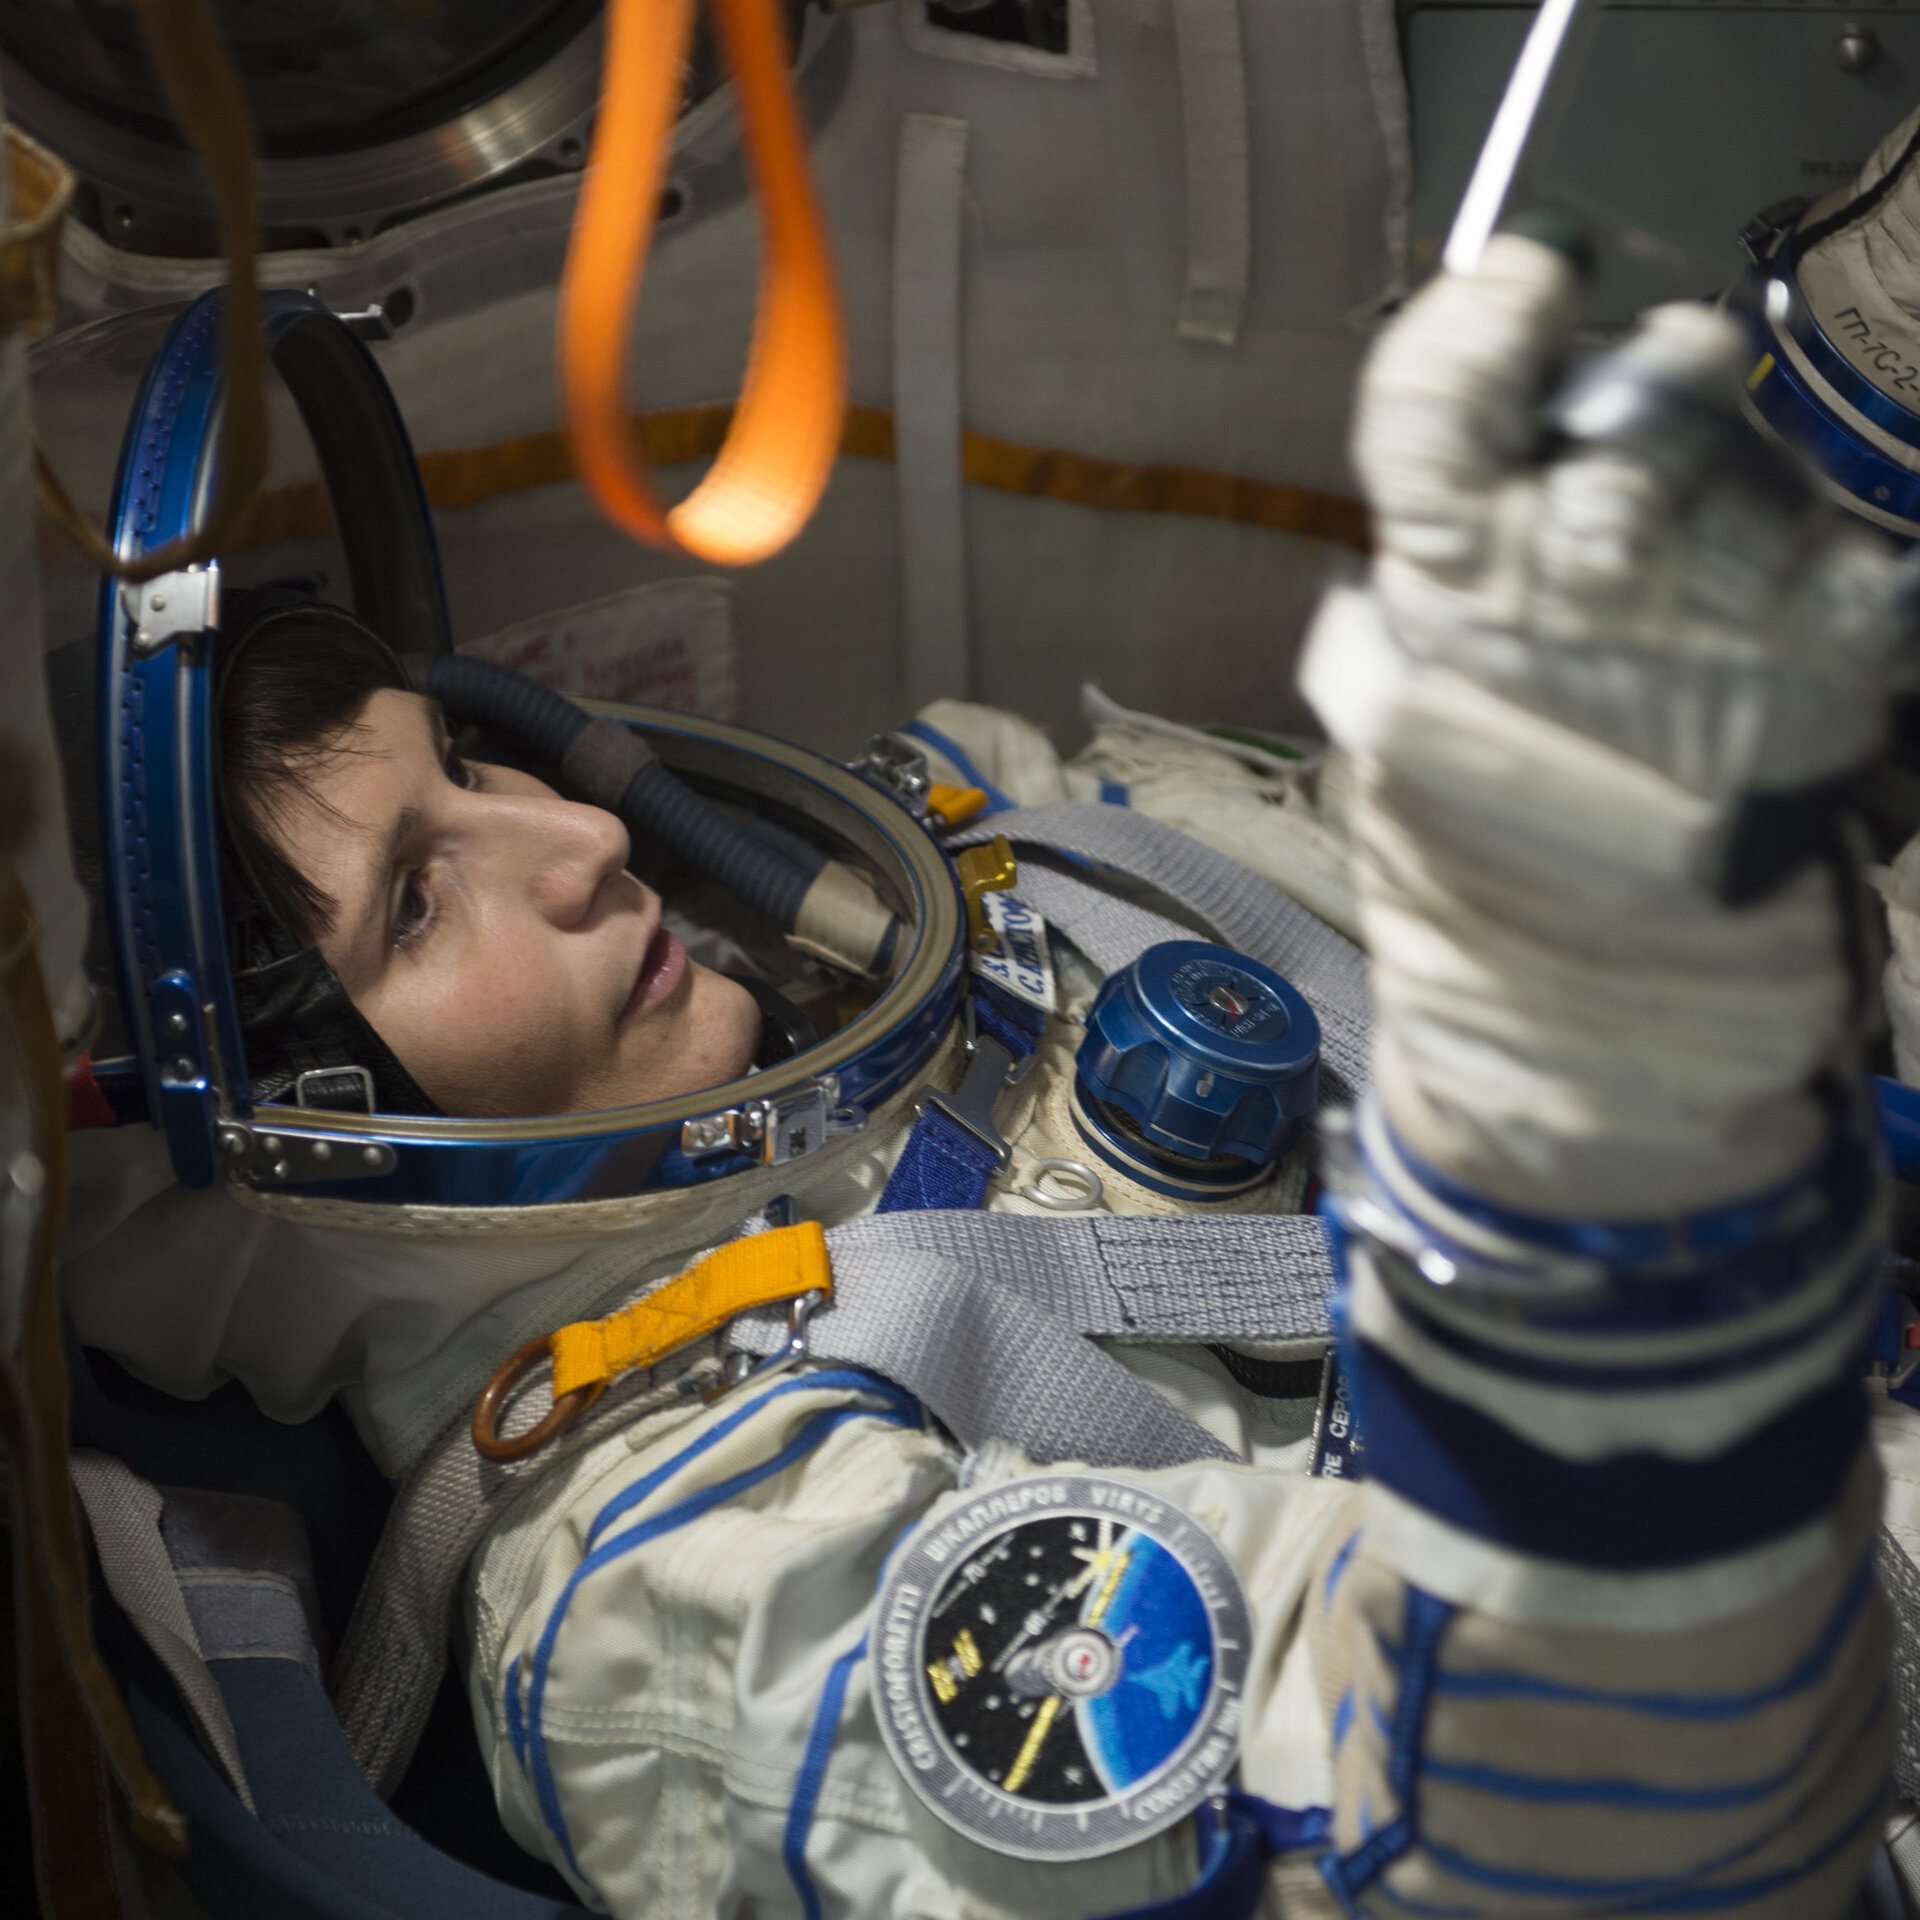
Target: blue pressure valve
x: 1198, y: 1066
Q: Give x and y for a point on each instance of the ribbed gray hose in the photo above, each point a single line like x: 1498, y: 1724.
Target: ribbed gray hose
x: 612, y: 766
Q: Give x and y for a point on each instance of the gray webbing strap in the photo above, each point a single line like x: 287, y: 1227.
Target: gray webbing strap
x: 985, y: 1318
x: 1244, y: 911
x: 1185, y: 1279
x: 990, y: 1363
x: 123, y: 1512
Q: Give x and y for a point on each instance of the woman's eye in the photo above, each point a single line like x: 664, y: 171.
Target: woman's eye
x: 413, y: 913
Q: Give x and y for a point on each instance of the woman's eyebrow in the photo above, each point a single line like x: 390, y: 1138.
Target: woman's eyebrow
x: 380, y: 864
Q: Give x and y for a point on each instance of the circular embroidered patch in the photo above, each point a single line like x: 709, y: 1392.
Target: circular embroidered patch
x: 1058, y: 1665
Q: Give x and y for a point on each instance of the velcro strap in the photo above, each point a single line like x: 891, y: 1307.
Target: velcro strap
x: 780, y: 1264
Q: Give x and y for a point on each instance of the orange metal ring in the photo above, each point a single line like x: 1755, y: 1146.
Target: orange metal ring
x: 487, y: 1441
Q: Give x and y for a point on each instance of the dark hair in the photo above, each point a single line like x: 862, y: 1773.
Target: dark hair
x: 287, y: 699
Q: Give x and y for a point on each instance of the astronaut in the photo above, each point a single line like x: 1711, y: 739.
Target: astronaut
x: 1598, y: 1628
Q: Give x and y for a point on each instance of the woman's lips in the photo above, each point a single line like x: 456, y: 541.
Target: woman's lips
x: 661, y: 968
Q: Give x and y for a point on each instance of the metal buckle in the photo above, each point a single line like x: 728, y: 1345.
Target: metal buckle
x: 739, y: 1368
x: 991, y: 1068
x: 777, y: 1129
x: 311, y: 1088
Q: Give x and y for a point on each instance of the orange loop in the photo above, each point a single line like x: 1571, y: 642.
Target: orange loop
x: 488, y: 1441
x: 771, y: 471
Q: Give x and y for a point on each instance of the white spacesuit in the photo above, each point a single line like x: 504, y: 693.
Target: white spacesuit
x: 1600, y: 1628
x: 1581, y: 1638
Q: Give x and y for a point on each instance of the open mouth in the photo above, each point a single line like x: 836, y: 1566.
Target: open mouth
x: 661, y: 966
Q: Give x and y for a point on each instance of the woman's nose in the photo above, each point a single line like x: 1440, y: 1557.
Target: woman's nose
x: 568, y: 853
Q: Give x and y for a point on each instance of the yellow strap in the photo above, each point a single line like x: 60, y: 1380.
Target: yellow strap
x: 756, y: 1272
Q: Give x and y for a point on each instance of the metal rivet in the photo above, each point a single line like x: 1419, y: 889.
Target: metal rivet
x: 28, y: 1174
x: 183, y: 1068
x: 321, y: 1150
x: 281, y: 1169
x: 373, y: 1156
x: 177, y: 1021
x: 1204, y: 1085
x: 158, y: 602
x: 270, y: 1143
x: 233, y: 1143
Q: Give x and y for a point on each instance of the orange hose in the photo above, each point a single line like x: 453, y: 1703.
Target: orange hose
x: 771, y: 471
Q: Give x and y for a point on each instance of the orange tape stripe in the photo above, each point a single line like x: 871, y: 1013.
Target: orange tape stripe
x: 470, y: 476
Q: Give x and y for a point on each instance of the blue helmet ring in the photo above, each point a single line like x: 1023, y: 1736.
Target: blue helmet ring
x: 159, y: 657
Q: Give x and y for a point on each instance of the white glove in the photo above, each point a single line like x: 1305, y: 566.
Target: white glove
x: 1580, y: 662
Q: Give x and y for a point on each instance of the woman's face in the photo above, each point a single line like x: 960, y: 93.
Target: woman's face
x: 492, y: 936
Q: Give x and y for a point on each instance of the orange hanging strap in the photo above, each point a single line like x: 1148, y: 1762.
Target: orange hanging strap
x: 780, y: 449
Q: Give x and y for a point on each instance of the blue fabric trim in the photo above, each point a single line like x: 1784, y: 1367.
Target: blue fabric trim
x: 854, y: 1378
x: 1113, y: 793
x: 516, y: 1720
x: 1631, y: 1511
x: 997, y: 802
x: 1705, y: 1269
x: 1641, y: 1795
x: 1343, y: 1720
x: 1659, y: 1375
x: 1617, y: 1376
x: 1705, y: 1707
x: 942, y: 1165
x: 1424, y: 1624
x: 1766, y: 1216
x: 813, y: 1771
x: 1284, y: 1829
x: 1341, y: 1561
x: 817, y: 1429
x: 1232, y: 1870
x: 1017, y: 1024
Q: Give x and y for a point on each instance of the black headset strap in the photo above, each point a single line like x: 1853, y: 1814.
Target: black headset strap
x: 373, y: 480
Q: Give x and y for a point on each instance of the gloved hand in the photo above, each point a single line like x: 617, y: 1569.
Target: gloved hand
x: 1612, y: 666
x: 1616, y: 658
